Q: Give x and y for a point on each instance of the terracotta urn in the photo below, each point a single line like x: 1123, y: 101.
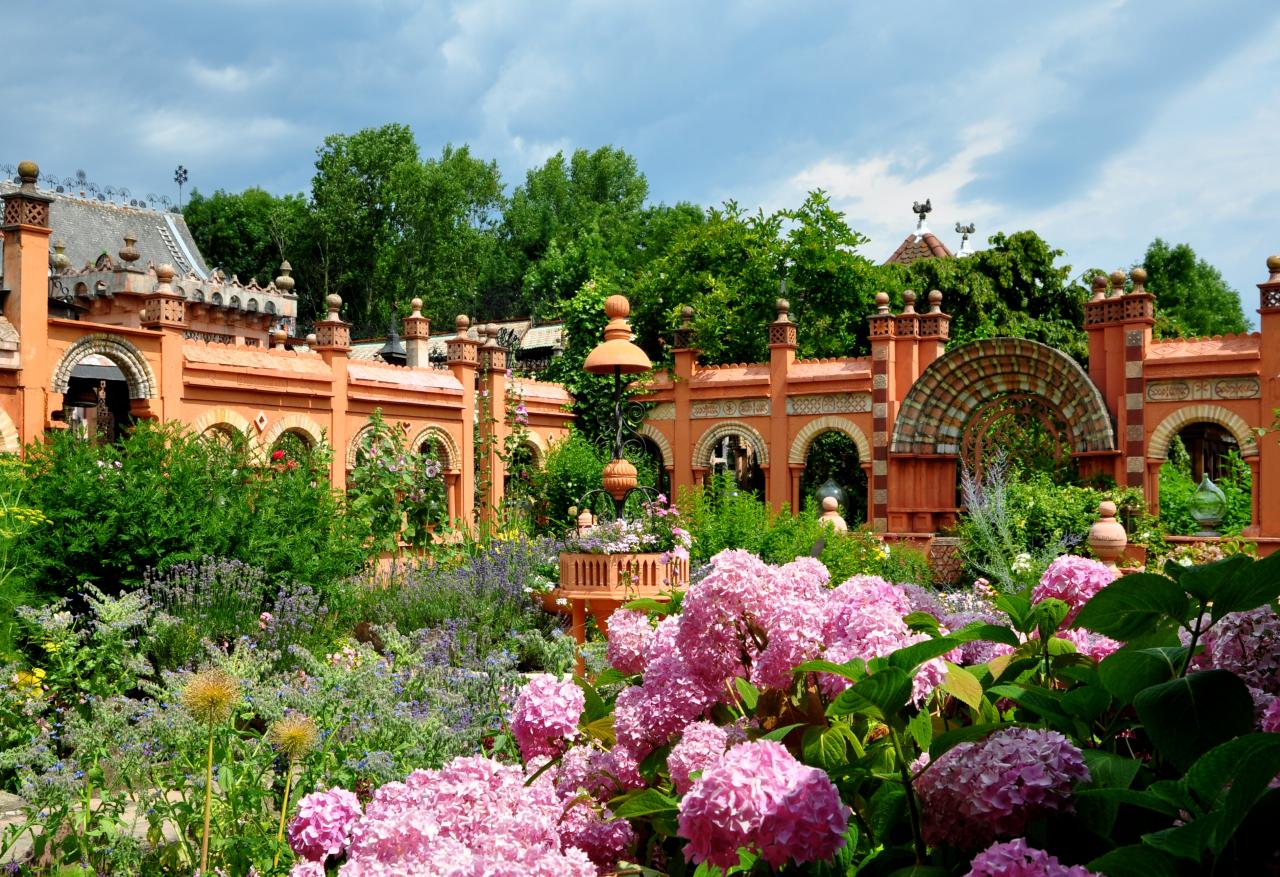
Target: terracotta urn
x: 831, y: 513
x: 1107, y: 538
x: 619, y: 478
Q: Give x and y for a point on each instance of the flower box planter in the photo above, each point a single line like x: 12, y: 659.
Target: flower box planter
x: 600, y: 583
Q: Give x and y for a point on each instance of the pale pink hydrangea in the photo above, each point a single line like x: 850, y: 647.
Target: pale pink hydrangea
x: 1074, y: 581
x: 323, y: 825
x: 711, y: 636
x: 545, y: 716
x: 307, y: 868
x: 1094, y: 645
x: 761, y: 798
x: 864, y: 619
x: 474, y: 816
x: 977, y: 792
x: 604, y: 839
x: 701, y: 747
x: 629, y: 635
x: 1247, y: 644
x: 1016, y: 859
x: 791, y: 618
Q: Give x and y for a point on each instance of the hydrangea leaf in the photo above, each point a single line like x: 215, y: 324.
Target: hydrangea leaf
x: 1253, y: 585
x: 1133, y: 606
x: 1186, y: 717
x: 1129, y: 671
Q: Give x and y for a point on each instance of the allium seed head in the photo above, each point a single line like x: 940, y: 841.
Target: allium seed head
x: 210, y: 695
x: 295, y: 735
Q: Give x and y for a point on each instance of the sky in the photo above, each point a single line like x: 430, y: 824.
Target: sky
x: 1101, y: 125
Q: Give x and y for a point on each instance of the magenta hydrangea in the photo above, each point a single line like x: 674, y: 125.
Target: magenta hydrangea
x: 545, y: 716
x: 701, y: 747
x: 1016, y: 859
x: 1247, y: 644
x: 1094, y: 645
x: 759, y: 797
x: 629, y: 635
x: 603, y: 838
x: 1271, y: 717
x: 322, y: 827
x: 1074, y: 581
x: 977, y: 792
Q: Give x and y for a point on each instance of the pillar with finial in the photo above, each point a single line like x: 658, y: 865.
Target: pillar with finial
x: 1265, y: 464
x: 783, y: 480
x: 284, y: 284
x: 417, y: 337
x: 883, y: 368
x: 163, y: 306
x: 493, y: 366
x: 164, y: 310
x: 26, y: 305
x: 935, y: 330
x: 333, y: 343
x: 464, y: 359
x: 684, y: 355
x: 333, y: 333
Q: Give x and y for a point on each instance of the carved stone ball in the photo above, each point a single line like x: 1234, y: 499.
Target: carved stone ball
x: 1099, y: 282
x: 686, y: 312
x: 1117, y: 279
x: 334, y: 301
x: 782, y: 305
x: 164, y: 273
x: 28, y: 171
x: 1139, y: 276
x: 1273, y: 264
x: 830, y: 504
x: 416, y: 304
x: 462, y: 323
x: 882, y: 299
x: 616, y: 307
x: 935, y: 298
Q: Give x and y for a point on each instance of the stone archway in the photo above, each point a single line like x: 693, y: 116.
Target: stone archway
x: 652, y: 433
x: 814, y: 428
x: 708, y: 440
x: 129, y: 359
x: 224, y: 419
x: 934, y: 414
x: 450, y: 456
x: 306, y: 428
x: 1162, y: 435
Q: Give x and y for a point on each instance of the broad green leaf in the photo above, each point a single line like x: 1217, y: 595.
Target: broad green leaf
x: 1041, y: 701
x: 780, y: 734
x: 879, y: 696
x: 921, y: 621
x: 1203, y: 581
x: 963, y: 686
x: 1138, y: 860
x: 1133, y: 606
x: 943, y: 742
x: 987, y: 632
x: 886, y: 809
x: 914, y: 655
x: 1187, y: 717
x: 1230, y: 778
x: 644, y: 803
x: 920, y: 728
x: 600, y: 729
x: 1019, y: 611
x: 853, y: 670
x: 1048, y: 614
x: 1086, y: 702
x: 1187, y: 841
x: 749, y: 693
x: 1252, y: 586
x: 610, y: 676
x: 827, y: 748
x: 648, y: 604
x: 1106, y: 771
x: 595, y: 707
x: 1128, y: 671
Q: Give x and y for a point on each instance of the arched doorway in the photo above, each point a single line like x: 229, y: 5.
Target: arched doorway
x: 735, y: 451
x: 1201, y: 440
x: 99, y: 376
x: 835, y: 448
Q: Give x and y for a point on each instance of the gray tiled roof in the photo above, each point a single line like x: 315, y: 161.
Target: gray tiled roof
x: 90, y: 228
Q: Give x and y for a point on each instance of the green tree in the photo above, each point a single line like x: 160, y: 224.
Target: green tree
x: 1192, y: 299
x: 248, y: 234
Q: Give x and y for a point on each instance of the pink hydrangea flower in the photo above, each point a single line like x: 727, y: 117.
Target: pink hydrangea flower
x: 1094, y: 645
x: 323, y: 825
x: 545, y: 716
x: 977, y: 792
x: 791, y: 618
x: 1247, y: 644
x: 307, y: 868
x: 604, y: 839
x: 1074, y: 581
x: 1016, y: 859
x: 1271, y: 717
x: 629, y: 636
x: 761, y: 798
x: 701, y: 747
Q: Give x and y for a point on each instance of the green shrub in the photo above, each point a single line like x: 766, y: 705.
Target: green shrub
x: 1177, y: 487
x: 163, y: 496
x: 573, y: 469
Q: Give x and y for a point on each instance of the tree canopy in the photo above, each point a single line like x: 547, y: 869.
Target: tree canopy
x: 1192, y: 299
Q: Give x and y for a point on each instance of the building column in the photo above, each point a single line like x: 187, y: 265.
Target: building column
x: 463, y: 359
x: 493, y: 365
x: 686, y: 363
x: 882, y: 365
x: 26, y: 273
x: 782, y: 353
x: 333, y: 343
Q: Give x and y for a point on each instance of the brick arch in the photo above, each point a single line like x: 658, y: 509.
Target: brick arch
x: 814, y: 428
x: 933, y: 414
x: 298, y: 423
x: 353, y: 446
x: 653, y: 434
x: 227, y: 419
x: 702, y: 450
x: 1162, y: 435
x: 10, y: 441
x: 452, y: 457
x: 129, y: 359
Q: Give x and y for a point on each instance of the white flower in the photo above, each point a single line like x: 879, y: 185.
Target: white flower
x: 562, y: 601
x: 1184, y: 561
x: 1021, y: 563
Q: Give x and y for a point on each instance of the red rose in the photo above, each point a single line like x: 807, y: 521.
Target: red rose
x: 277, y: 456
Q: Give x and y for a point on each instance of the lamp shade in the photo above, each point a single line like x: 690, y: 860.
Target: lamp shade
x: 617, y: 353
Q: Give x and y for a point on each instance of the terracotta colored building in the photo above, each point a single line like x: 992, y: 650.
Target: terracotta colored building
x: 916, y: 410
x: 153, y: 333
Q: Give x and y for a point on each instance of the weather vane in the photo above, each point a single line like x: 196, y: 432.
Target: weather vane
x: 180, y: 176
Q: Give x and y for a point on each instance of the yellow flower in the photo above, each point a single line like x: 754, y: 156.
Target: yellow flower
x: 29, y: 683
x: 295, y: 735
x: 52, y: 647
x: 211, y: 695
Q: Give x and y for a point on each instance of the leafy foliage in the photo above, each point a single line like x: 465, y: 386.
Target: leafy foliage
x: 1192, y: 298
x: 1177, y: 487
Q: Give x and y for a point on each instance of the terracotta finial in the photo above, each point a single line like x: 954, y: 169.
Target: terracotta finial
x: 416, y: 304
x: 882, y: 302
x: 164, y: 276
x: 1139, y: 277
x: 312, y: 340
x: 935, y: 301
x: 686, y: 315
x: 129, y: 253
x: 462, y: 323
x: 60, y: 261
x: 831, y: 513
x: 784, y: 307
x: 1099, y: 287
x: 616, y: 307
x: 334, y: 301
x: 909, y: 301
x: 1273, y: 267
x: 1107, y: 538
x: 285, y: 281
x: 1117, y: 283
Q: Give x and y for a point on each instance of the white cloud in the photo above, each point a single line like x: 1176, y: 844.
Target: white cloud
x: 181, y: 132
x: 231, y: 78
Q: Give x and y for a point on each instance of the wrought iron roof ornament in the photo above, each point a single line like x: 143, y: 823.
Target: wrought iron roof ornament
x: 921, y: 211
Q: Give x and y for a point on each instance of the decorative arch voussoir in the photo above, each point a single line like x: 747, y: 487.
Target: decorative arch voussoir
x: 702, y: 449
x: 653, y: 434
x: 1163, y: 434
x: 804, y: 438
x: 128, y: 358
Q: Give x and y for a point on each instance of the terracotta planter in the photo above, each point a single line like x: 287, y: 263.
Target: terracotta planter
x: 946, y: 560
x: 619, y: 576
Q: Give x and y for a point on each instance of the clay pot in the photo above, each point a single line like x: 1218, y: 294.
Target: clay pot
x: 619, y: 478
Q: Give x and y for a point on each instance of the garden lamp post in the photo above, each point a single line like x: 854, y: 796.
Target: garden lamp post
x: 617, y: 355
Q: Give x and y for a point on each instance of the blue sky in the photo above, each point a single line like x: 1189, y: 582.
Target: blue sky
x: 1101, y: 125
